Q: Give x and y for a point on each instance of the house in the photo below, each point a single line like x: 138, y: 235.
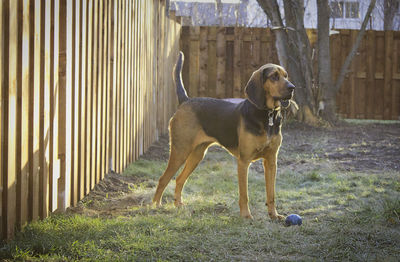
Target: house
x: 346, y: 14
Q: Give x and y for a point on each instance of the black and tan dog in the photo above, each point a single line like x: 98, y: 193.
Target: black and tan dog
x: 249, y: 129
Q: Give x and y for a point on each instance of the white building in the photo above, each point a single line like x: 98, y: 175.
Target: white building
x: 346, y: 14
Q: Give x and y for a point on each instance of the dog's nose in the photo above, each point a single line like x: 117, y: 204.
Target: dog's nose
x: 290, y: 86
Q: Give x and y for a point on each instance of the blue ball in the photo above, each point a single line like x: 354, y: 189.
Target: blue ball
x: 293, y: 219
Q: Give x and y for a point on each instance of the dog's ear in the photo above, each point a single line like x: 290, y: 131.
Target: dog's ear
x: 255, y: 91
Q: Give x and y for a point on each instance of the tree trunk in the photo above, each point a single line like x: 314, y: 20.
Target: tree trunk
x: 327, y: 95
x: 389, y: 11
x: 271, y: 9
x: 300, y: 46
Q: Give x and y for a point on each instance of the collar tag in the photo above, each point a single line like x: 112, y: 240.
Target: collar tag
x: 271, y: 119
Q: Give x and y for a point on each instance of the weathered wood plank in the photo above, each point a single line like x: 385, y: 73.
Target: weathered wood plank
x: 104, y: 97
x: 18, y: 113
x: 100, y: 37
x: 237, y: 82
x: 34, y: 108
x: 124, y: 86
x: 212, y: 63
x: 75, y: 150
x: 46, y: 133
x: 94, y: 93
x: 135, y: 81
x: 64, y: 121
x: 114, y: 59
x: 2, y: 110
x: 82, y: 98
x: 203, y: 81
x: 89, y: 87
x: 388, y: 90
x: 10, y: 118
x: 229, y: 69
x: 194, y: 69
x: 370, y: 75
x: 221, y: 61
x: 25, y: 110
x: 109, y: 112
x: 128, y: 84
x: 396, y: 78
x: 379, y: 76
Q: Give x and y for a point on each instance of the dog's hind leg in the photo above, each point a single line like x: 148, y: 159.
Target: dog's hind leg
x: 176, y: 159
x: 191, y: 163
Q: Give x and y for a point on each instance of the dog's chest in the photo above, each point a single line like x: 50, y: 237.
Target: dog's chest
x: 262, y: 142
x: 267, y: 144
x: 257, y: 146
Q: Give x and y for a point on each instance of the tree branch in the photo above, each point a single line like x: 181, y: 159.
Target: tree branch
x: 353, y: 51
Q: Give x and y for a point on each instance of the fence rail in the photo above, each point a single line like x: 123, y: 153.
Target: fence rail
x: 219, y: 61
x: 85, y: 88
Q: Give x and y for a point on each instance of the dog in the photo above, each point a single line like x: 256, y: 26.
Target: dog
x: 249, y: 129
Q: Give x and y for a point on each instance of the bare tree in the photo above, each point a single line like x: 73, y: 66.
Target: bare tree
x: 390, y: 8
x: 294, y: 52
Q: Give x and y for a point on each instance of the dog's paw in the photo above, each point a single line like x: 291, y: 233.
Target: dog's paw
x: 276, y: 216
x: 246, y: 215
x: 178, y: 204
x: 157, y: 204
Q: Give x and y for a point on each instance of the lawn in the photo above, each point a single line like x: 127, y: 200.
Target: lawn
x: 344, y: 182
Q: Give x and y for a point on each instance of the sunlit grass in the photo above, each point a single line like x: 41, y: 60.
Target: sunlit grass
x: 346, y: 216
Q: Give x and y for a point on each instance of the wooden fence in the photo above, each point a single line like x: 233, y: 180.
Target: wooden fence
x: 219, y: 61
x: 85, y: 87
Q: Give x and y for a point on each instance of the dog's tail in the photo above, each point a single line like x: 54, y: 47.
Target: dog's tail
x: 180, y: 89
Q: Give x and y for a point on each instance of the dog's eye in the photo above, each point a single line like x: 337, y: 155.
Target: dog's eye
x: 275, y: 77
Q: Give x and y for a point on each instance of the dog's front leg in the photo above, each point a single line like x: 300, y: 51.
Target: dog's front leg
x: 270, y: 175
x: 243, y: 167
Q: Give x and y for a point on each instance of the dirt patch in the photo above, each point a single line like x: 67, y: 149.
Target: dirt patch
x: 363, y: 147
x: 111, y: 197
x: 369, y: 148
x: 158, y: 150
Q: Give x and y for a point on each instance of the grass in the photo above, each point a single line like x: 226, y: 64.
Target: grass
x: 371, y: 121
x: 346, y: 216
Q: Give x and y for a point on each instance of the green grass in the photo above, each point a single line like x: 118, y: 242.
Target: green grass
x: 346, y: 216
x: 370, y: 121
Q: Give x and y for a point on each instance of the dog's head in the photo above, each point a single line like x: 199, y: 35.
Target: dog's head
x: 269, y: 87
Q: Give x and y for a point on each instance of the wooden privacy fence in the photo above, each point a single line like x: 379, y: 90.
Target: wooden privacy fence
x: 85, y: 87
x: 220, y: 60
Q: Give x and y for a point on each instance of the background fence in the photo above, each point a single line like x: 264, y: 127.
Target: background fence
x: 219, y: 61
x: 85, y: 87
